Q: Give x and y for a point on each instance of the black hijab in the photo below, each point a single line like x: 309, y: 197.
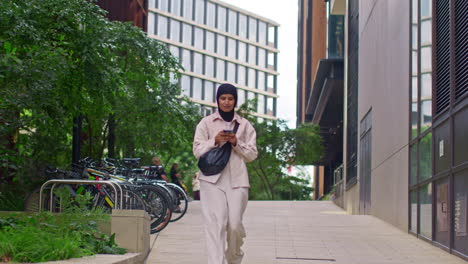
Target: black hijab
x: 226, y: 88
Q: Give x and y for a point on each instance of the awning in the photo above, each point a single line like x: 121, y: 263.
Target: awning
x: 325, y: 108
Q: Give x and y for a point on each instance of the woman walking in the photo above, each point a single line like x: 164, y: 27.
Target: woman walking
x: 224, y: 196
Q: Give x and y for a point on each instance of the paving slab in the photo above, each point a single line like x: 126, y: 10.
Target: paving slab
x: 300, y: 232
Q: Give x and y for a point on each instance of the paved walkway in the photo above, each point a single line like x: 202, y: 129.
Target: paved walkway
x: 300, y: 232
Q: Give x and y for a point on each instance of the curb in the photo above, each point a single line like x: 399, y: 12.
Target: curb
x: 129, y: 258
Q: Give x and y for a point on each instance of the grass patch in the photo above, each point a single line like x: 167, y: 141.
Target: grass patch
x: 44, y: 236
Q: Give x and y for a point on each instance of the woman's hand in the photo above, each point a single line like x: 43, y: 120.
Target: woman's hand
x: 232, y: 139
x: 222, y: 137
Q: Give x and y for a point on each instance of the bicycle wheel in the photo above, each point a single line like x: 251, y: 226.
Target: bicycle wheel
x: 132, y: 201
x: 182, y: 202
x: 157, y: 205
x: 31, y: 202
x: 155, y: 228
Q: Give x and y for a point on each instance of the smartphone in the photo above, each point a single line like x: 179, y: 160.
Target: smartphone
x: 228, y: 131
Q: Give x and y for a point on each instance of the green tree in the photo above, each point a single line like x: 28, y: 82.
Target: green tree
x: 60, y: 59
x: 278, y: 148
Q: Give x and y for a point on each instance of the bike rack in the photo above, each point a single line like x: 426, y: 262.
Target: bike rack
x: 89, y: 182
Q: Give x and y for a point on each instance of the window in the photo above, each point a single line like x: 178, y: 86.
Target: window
x: 242, y: 26
x: 413, y: 164
x: 252, y: 29
x: 424, y: 189
x: 270, y: 106
x: 222, y: 19
x: 152, y: 4
x: 209, y: 66
x: 175, y: 7
x: 426, y: 8
x: 240, y: 97
x: 271, y: 80
x: 426, y: 59
x: 261, y: 104
x: 414, y: 212
x: 209, y: 41
x: 426, y: 102
x: 175, y: 30
x: 163, y: 5
x: 232, y: 48
x: 241, y: 75
x: 220, y: 69
x: 198, y: 63
x: 261, y: 83
x: 261, y: 57
x: 272, y: 36
x: 210, y: 14
x: 185, y: 84
x: 221, y: 45
x: 425, y: 210
x: 187, y: 34
x: 252, y: 54
x: 251, y: 96
x: 187, y: 60
x: 175, y: 51
x: 426, y: 32
x: 421, y: 68
x: 262, y: 32
x: 188, y: 9
x: 162, y: 23
x: 272, y: 59
x: 252, y: 78
x: 209, y: 92
x: 232, y: 25
x: 425, y: 157
x: 231, y: 72
x: 198, y: 38
x: 197, y: 89
x: 151, y: 23
x: 426, y: 114
x: 200, y: 11
x: 242, y: 51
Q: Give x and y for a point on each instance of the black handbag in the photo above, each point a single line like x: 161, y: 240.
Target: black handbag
x: 215, y: 160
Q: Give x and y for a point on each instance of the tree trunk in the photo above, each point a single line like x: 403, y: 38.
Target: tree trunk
x: 76, y: 147
x: 111, y: 137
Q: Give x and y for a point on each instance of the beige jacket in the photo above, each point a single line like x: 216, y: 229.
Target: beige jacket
x: 244, y: 151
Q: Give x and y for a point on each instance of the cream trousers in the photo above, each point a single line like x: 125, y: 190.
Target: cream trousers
x: 223, y: 208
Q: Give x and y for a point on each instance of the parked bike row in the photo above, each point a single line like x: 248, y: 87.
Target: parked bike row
x: 116, y: 184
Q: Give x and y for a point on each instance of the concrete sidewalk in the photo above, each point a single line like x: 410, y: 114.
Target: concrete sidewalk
x: 300, y: 232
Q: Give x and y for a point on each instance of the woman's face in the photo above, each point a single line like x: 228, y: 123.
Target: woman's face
x: 226, y: 102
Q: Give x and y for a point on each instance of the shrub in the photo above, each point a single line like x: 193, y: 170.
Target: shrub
x: 47, y: 237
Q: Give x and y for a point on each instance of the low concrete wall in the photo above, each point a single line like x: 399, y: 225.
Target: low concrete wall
x: 132, y: 230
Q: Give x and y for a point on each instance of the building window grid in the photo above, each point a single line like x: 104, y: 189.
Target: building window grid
x: 252, y: 50
x: 246, y: 41
x: 420, y: 136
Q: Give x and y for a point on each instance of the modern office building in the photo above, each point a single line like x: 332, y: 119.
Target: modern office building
x: 320, y: 85
x: 217, y: 42
x: 404, y: 114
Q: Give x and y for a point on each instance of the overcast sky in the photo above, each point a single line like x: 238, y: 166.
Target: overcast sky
x: 284, y: 13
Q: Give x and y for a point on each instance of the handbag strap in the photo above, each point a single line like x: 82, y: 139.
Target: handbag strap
x: 236, y: 126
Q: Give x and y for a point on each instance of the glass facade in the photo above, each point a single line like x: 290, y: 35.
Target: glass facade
x: 438, y: 184
x: 216, y: 43
x: 421, y: 168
